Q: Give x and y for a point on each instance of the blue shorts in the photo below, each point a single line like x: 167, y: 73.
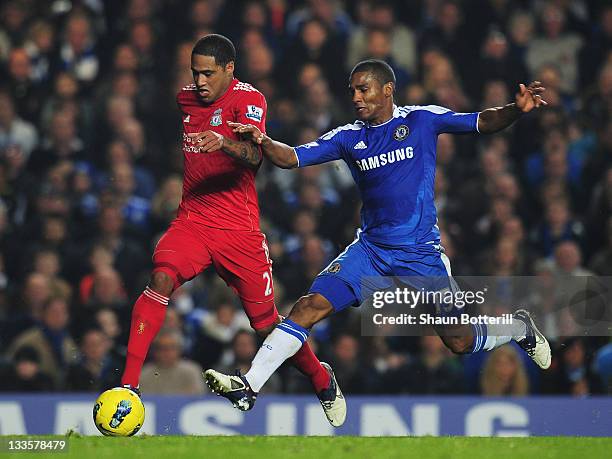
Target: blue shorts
x: 365, y: 267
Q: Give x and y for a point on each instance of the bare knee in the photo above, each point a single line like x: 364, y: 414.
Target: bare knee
x: 458, y: 344
x: 161, y: 283
x: 310, y: 309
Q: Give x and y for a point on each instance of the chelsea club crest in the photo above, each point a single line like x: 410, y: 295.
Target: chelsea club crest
x: 216, y: 119
x: 334, y: 268
x: 401, y: 132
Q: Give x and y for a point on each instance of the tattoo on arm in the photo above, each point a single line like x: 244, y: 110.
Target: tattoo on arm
x: 495, y: 119
x: 245, y: 151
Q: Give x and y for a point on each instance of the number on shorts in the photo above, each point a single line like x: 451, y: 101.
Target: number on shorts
x: 268, y: 277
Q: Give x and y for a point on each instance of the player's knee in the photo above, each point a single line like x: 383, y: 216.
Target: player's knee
x: 310, y: 309
x: 161, y: 283
x: 265, y: 331
x: 459, y: 344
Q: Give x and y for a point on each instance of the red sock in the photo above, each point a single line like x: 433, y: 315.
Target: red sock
x: 148, y: 316
x: 305, y: 361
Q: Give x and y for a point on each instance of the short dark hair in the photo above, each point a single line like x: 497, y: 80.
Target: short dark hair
x: 380, y: 69
x: 217, y: 46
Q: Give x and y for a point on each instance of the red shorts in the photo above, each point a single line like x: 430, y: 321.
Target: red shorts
x: 241, y: 258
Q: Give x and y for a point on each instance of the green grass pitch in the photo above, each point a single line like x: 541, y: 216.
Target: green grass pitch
x: 239, y: 447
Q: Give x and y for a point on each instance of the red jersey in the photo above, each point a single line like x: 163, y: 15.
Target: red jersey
x: 218, y: 190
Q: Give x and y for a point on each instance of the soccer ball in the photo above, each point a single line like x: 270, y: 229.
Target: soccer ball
x: 118, y: 412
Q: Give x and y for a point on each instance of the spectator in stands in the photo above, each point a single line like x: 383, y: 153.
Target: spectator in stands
x: 597, y: 49
x: 521, y: 30
x: 601, y: 262
x: 26, y: 313
x: 217, y: 330
x: 51, y: 340
x: 62, y: 144
x: 497, y: 62
x: 107, y: 292
x: 315, y: 44
x: 66, y: 99
x: 14, y: 131
x: 168, y: 373
x: 573, y: 375
x: 135, y: 209
x: 39, y: 46
x: 381, y: 16
x: 504, y: 374
x: 447, y: 34
x: 14, y: 21
x: 434, y: 371
x: 258, y: 69
x: 568, y: 260
x: 96, y: 370
x: 48, y: 263
x: 243, y: 349
x: 108, y: 322
x: 129, y: 256
x: 328, y: 12
x: 557, y: 226
x: 77, y: 52
x: 379, y: 46
x: 602, y: 366
x: 313, y: 259
x: 556, y: 46
x: 25, y: 374
x: 356, y: 376
x: 26, y: 92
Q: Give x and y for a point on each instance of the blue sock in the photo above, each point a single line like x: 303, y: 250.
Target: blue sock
x: 289, y: 326
x: 479, y: 331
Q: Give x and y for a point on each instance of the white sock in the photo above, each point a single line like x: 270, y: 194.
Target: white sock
x: 278, y: 347
x: 498, y: 334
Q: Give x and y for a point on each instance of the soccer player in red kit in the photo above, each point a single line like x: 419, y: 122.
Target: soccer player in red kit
x: 218, y: 219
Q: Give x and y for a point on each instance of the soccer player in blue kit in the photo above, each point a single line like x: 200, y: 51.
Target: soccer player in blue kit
x: 391, y: 152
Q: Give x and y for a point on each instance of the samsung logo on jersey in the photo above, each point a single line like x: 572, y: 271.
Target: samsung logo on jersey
x: 383, y: 159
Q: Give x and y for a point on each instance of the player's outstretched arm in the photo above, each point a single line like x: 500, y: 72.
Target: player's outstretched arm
x: 527, y: 98
x: 280, y: 154
x: 245, y: 151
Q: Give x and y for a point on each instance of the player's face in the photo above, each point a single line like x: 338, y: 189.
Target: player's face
x: 211, y: 79
x: 370, y: 98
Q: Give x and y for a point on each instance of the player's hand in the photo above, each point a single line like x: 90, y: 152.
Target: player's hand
x: 207, y: 141
x: 247, y: 131
x: 530, y: 97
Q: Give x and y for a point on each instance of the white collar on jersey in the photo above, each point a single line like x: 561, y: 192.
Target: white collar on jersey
x: 395, y: 115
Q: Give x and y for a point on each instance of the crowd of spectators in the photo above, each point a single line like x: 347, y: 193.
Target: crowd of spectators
x: 91, y: 164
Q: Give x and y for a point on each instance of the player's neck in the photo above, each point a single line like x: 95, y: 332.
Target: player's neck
x: 384, y: 116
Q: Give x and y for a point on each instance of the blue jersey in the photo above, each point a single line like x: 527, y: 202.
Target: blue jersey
x: 394, y: 166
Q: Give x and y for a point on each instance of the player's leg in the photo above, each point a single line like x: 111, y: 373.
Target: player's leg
x: 242, y: 260
x: 287, y: 338
x: 479, y: 337
x: 178, y: 256
x: 336, y: 288
x: 283, y: 343
x: 431, y: 265
x: 305, y: 361
x: 488, y: 335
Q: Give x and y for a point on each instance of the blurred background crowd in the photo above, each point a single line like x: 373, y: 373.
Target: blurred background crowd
x: 90, y: 176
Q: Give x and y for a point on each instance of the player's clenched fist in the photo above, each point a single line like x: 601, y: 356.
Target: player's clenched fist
x: 247, y: 131
x: 207, y: 141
